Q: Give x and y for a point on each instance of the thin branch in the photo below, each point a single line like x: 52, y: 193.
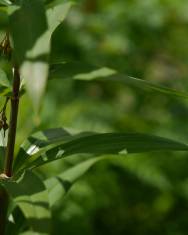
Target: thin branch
x: 3, y: 209
x: 12, y: 124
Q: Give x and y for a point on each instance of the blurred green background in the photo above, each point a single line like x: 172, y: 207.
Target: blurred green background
x: 140, y: 194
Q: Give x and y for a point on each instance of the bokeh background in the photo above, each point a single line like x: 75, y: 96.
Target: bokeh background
x: 142, y: 193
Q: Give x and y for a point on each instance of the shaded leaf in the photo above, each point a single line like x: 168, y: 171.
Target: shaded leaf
x: 11, y: 229
x: 4, y: 82
x: 38, y: 141
x: 28, y: 21
x: 98, y: 144
x: 147, y: 171
x: 31, y: 196
x: 59, y: 185
x: 85, y: 72
x: 3, y: 17
x: 32, y: 52
x: 18, y: 220
x: 32, y: 70
x: 5, y: 74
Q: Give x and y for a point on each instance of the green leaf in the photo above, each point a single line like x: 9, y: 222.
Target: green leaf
x: 5, y: 2
x: 5, y: 86
x: 31, y: 196
x: 38, y: 141
x: 98, y: 144
x: 35, y: 76
x: 11, y: 229
x: 16, y: 223
x: 59, y: 185
x: 85, y: 72
x: 3, y: 17
x: 32, y: 52
x: 56, y: 14
x: 18, y: 220
x: 4, y: 82
x: 33, y: 233
x: 147, y: 171
x: 27, y: 24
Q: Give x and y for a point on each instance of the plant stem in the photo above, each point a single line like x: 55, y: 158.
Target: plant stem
x: 13, y: 123
x: 3, y: 210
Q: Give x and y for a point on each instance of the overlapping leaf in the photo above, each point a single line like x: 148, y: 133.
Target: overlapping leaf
x: 92, y: 143
x: 5, y: 86
x: 39, y: 141
x: 87, y: 72
x: 37, y: 25
x: 59, y: 185
x: 31, y: 196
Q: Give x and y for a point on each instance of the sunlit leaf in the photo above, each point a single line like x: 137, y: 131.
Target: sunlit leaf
x: 29, y: 22
x: 5, y: 2
x: 38, y: 141
x: 32, y: 53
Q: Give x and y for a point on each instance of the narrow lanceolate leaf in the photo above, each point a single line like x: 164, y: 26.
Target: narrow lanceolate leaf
x: 27, y: 22
x: 85, y: 72
x: 30, y: 195
x: 39, y: 141
x: 97, y: 144
x: 58, y: 186
x: 37, y: 26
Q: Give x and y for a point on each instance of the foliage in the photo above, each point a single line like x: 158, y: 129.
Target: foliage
x: 90, y: 70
